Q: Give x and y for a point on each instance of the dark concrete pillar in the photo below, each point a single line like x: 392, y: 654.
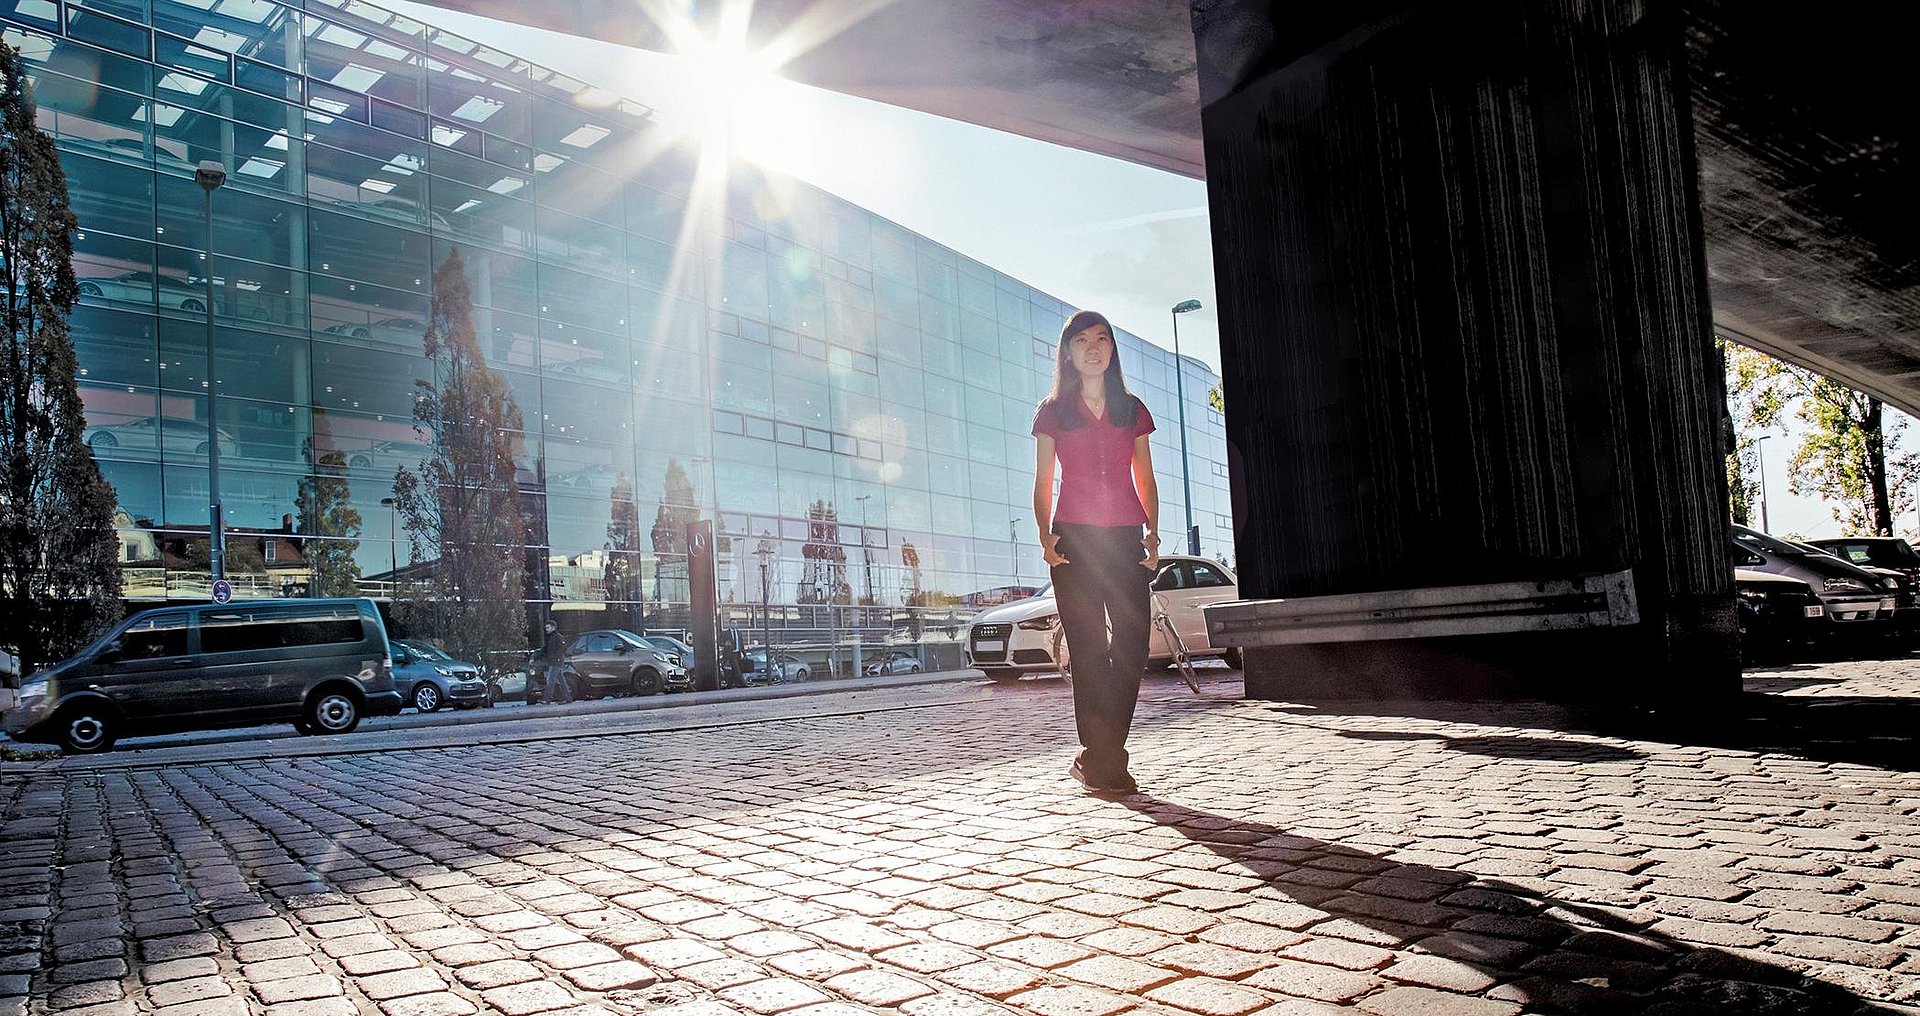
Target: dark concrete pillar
x: 1465, y: 332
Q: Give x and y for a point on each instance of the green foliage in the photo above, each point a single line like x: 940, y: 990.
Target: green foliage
x: 1849, y: 456
x: 332, y: 524
x: 59, y: 567
x: 466, y: 531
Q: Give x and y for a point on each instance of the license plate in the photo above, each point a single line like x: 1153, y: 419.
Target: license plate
x: 1886, y: 603
x: 989, y: 647
x: 1816, y: 611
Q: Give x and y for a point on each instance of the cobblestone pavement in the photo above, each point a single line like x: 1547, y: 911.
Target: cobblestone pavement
x: 1284, y: 859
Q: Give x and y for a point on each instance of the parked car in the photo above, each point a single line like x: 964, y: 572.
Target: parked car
x: 319, y: 664
x: 151, y: 433
x: 1025, y: 637
x: 610, y: 661
x: 1892, y: 554
x: 1856, y: 602
x: 427, y: 677
x: 786, y: 668
x: 897, y: 661
x: 682, y: 656
x: 1777, y: 614
x: 140, y: 287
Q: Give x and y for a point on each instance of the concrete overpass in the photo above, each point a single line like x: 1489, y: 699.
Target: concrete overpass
x: 1806, y: 162
x: 1469, y: 256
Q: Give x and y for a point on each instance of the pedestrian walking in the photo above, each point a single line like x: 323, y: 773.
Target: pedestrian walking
x: 552, y: 655
x: 1101, y: 542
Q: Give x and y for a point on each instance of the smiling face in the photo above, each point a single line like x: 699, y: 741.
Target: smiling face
x: 1090, y: 351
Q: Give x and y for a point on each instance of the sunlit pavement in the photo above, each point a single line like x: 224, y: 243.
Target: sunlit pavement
x: 922, y: 851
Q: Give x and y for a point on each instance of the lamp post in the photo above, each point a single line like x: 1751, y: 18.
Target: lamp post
x: 1759, y: 450
x: 765, y: 551
x: 1180, y: 395
x: 866, y: 552
x: 1013, y: 533
x: 211, y: 175
x: 393, y: 543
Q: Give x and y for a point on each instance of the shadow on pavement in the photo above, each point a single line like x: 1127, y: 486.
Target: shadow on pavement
x: 1543, y: 748
x: 1872, y: 730
x: 1554, y: 956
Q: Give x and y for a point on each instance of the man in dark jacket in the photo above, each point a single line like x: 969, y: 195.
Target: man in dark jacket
x: 552, y: 654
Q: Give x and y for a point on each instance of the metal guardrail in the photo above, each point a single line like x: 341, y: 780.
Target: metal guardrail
x: 1597, y: 601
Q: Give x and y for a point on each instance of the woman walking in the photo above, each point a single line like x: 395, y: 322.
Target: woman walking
x: 1102, y: 541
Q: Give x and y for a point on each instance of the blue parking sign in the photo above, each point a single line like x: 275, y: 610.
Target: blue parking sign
x: 222, y: 591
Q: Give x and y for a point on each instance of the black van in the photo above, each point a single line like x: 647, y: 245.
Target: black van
x: 320, y: 664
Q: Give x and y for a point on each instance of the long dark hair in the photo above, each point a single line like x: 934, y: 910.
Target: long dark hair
x: 1062, y: 401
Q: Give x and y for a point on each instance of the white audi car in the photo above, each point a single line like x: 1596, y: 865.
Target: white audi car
x: 1024, y: 637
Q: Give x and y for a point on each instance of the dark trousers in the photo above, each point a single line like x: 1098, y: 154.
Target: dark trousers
x: 1102, y: 587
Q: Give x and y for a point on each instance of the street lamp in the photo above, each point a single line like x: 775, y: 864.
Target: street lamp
x: 211, y: 175
x: 1758, y: 453
x: 866, y: 552
x: 1180, y: 394
x: 1013, y: 533
x: 393, y: 543
x: 764, y: 551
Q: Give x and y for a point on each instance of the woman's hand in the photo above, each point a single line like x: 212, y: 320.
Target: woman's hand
x: 1050, y: 549
x: 1152, y: 543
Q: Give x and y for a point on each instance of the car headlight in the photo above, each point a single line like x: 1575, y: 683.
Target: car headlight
x: 1044, y: 623
x: 1752, y: 595
x: 664, y: 658
x: 443, y: 672
x: 1844, y: 586
x: 33, y: 689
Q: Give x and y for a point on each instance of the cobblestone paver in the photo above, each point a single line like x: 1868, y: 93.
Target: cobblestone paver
x: 1283, y: 859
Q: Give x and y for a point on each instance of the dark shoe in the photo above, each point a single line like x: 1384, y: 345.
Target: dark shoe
x: 1121, y: 784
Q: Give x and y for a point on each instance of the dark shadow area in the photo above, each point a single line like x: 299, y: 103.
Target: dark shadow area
x: 1873, y: 730
x: 1543, y: 749
x: 1535, y: 748
x: 1553, y: 956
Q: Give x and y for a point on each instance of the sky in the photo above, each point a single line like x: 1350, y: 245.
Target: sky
x: 1095, y: 232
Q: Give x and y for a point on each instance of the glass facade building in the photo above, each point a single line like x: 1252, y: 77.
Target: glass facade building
x: 849, y: 401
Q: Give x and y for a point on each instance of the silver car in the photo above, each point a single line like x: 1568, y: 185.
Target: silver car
x: 152, y: 434
x: 1854, y: 600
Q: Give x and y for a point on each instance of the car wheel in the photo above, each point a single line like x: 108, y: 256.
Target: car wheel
x: 103, y: 440
x: 1003, y: 675
x: 646, y: 681
x: 333, y: 711
x: 193, y: 305
x: 89, y: 289
x: 360, y: 461
x: 802, y: 674
x: 200, y: 449
x: 914, y: 669
x: 426, y: 697
x: 1236, y: 658
x: 87, y: 728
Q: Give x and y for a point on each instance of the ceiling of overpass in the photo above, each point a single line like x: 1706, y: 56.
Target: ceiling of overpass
x: 1804, y: 132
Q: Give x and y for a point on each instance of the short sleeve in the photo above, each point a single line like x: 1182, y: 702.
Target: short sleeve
x: 1142, y: 420
x: 1044, y: 422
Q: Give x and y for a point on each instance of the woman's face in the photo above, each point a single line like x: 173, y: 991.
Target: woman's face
x: 1090, y: 350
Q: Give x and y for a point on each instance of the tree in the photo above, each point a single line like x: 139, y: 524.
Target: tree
x: 621, y: 575
x: 462, y: 504
x: 1849, y: 456
x: 59, y: 558
x: 332, y: 524
x: 1742, y: 439
x: 669, y: 534
x: 824, y: 579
